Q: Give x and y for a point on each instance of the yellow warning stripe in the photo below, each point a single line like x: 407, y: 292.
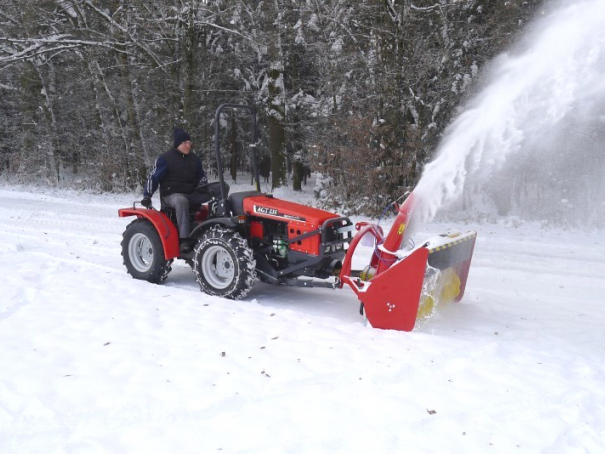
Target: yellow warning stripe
x: 452, y: 244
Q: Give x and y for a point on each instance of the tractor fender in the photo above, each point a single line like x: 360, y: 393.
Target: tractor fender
x: 164, y: 226
x: 201, y: 228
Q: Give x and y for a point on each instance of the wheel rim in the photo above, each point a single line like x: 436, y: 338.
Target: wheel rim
x: 140, y: 251
x: 218, y: 267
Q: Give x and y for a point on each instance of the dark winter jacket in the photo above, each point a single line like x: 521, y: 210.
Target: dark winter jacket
x: 175, y: 172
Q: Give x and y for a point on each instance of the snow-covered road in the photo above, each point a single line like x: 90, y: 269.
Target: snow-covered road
x: 92, y: 361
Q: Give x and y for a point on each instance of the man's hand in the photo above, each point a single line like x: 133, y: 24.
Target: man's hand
x: 146, y: 202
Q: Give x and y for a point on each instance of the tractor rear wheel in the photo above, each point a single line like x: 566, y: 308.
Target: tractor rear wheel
x: 143, y: 252
x: 224, y: 264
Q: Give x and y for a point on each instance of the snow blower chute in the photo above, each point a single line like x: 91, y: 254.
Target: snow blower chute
x: 399, y: 285
x: 243, y: 236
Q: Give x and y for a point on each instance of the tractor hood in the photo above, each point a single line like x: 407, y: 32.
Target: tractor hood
x: 267, y: 206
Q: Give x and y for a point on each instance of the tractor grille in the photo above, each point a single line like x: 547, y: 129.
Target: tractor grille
x: 337, y: 232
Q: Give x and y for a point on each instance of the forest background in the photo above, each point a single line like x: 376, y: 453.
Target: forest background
x: 360, y: 91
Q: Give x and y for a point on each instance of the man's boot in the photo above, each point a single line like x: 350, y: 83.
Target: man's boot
x: 186, y: 244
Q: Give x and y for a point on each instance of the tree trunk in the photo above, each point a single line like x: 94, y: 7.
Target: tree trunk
x: 277, y: 148
x: 54, y: 163
x: 100, y: 121
x: 189, y: 46
x: 298, y: 170
x: 123, y: 157
x: 136, y: 171
x: 276, y: 111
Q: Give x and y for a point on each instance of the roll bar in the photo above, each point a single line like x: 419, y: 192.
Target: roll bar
x: 217, y: 144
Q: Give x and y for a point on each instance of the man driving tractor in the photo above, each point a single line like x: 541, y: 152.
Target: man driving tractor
x: 178, y: 172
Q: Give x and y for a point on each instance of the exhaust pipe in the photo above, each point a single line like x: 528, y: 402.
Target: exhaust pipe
x: 334, y: 268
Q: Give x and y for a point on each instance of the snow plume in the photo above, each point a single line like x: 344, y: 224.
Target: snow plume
x: 533, y: 141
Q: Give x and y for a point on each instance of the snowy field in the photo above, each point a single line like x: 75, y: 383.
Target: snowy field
x: 92, y: 361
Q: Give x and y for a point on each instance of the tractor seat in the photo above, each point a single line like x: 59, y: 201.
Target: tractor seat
x: 171, y: 212
x: 236, y: 201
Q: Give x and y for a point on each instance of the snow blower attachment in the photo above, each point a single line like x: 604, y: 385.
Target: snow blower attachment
x: 247, y: 235
x: 399, y: 286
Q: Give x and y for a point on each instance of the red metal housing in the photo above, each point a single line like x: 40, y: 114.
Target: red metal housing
x: 301, y: 219
x: 166, y: 229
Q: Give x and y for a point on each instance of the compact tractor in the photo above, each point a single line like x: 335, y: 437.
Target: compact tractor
x: 246, y: 236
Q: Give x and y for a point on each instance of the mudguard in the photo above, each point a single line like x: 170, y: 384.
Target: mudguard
x: 164, y: 226
x: 199, y: 230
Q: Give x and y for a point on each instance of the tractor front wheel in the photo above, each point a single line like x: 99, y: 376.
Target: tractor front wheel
x: 223, y: 264
x: 143, y: 252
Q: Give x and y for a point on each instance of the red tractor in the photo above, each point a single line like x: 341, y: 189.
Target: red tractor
x: 249, y: 235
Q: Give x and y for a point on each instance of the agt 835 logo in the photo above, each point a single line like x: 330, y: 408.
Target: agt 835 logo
x: 274, y: 212
x: 265, y: 210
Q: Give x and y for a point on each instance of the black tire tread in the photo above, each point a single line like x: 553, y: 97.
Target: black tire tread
x: 246, y: 264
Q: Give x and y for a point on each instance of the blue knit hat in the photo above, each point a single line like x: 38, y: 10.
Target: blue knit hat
x: 180, y: 136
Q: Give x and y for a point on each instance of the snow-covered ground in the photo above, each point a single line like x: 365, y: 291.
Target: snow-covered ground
x: 92, y: 361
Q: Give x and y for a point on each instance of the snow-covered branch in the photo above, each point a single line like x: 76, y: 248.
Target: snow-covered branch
x: 28, y: 48
x: 136, y: 42
x: 425, y: 9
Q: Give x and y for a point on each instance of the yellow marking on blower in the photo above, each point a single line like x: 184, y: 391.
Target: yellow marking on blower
x: 401, y: 229
x: 452, y: 244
